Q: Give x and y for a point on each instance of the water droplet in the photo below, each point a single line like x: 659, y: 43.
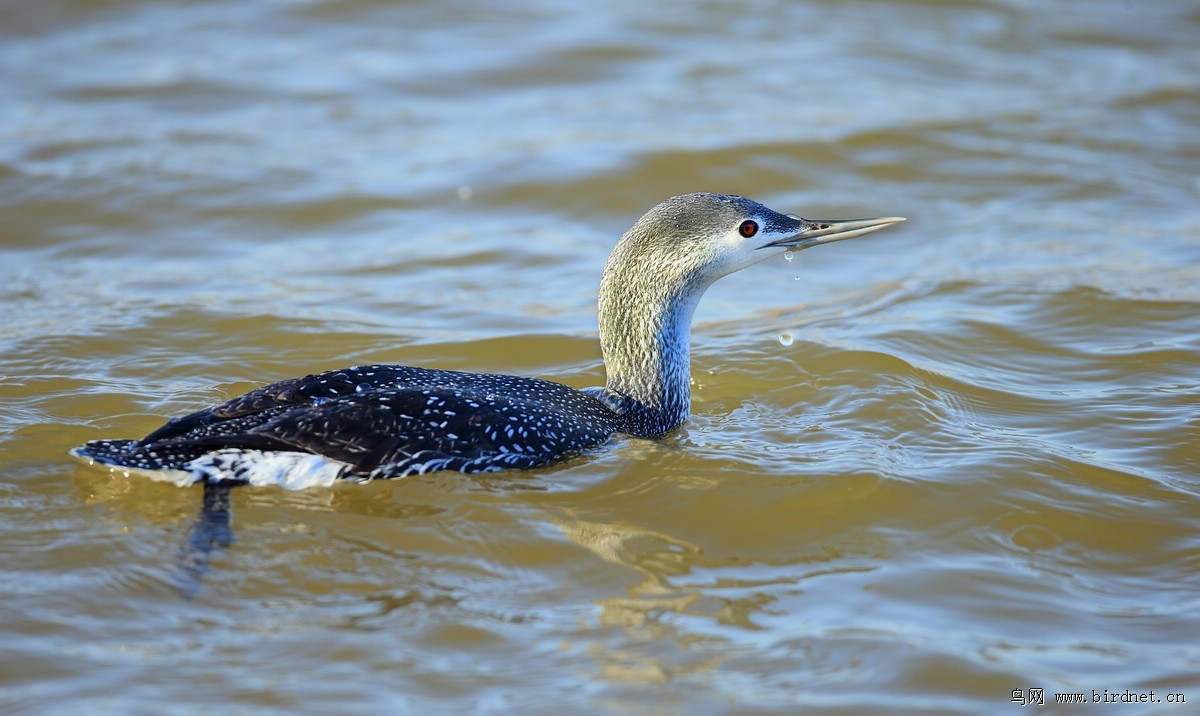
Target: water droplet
x: 797, y: 277
x: 787, y: 255
x: 464, y: 192
x: 785, y: 339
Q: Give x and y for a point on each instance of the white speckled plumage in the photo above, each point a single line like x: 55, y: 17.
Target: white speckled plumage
x: 384, y: 421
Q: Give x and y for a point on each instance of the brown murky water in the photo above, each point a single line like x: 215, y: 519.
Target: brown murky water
x: 926, y: 468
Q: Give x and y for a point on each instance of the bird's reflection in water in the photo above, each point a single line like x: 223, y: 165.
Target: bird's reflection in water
x: 212, y: 531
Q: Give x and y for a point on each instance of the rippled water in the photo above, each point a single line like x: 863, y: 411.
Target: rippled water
x: 926, y: 468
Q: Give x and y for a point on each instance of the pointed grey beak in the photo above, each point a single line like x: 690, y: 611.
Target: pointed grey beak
x: 825, y: 231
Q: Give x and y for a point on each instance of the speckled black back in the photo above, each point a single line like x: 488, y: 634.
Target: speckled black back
x: 385, y: 421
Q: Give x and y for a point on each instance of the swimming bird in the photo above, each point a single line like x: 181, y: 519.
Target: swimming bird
x: 385, y: 421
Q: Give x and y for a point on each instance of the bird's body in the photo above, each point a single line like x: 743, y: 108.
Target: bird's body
x: 391, y: 421
x: 369, y: 422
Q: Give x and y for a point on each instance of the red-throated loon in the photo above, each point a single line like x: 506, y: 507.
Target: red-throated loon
x: 383, y: 421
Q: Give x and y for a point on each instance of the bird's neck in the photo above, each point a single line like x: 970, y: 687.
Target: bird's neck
x: 645, y: 331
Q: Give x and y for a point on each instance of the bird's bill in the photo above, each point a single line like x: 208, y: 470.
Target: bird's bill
x: 826, y: 231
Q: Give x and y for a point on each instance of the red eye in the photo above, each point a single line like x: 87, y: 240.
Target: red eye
x: 748, y: 228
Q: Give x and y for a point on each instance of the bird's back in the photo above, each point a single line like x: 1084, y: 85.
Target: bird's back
x: 368, y: 422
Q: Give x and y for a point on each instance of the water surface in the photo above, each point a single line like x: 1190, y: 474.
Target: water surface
x: 926, y: 468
